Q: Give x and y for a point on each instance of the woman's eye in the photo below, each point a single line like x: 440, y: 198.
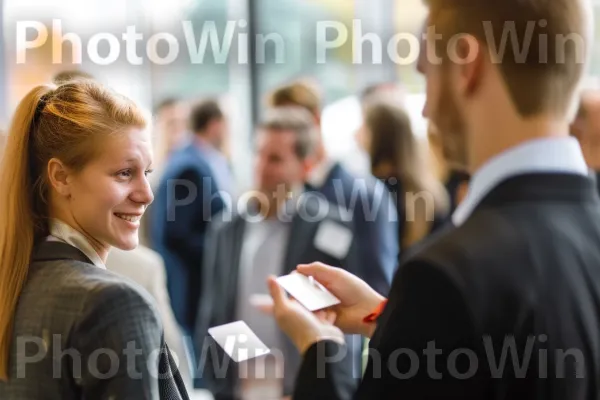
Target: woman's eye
x: 125, y: 174
x: 148, y: 172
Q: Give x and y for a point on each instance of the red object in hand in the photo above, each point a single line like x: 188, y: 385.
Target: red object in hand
x: 376, y: 313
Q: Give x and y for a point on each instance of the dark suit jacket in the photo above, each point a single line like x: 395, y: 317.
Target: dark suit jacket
x: 376, y: 222
x: 521, y: 274
x: 220, y: 295
x: 70, y: 316
x: 185, y: 203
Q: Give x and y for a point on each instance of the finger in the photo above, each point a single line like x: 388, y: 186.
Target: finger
x: 321, y: 314
x: 328, y: 316
x: 331, y: 317
x: 323, y: 273
x: 277, y: 293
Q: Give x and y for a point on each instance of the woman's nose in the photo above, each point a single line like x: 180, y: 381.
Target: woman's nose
x: 143, y: 194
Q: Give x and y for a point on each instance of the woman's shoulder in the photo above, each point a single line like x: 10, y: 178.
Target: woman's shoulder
x: 83, y: 284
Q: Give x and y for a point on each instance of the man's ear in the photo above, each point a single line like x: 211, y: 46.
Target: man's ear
x: 308, y: 165
x: 59, y: 177
x: 468, y: 56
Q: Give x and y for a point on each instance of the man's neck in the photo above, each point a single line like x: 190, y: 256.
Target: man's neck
x: 494, y: 139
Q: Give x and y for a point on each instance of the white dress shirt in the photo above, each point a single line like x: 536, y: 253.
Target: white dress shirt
x: 546, y: 155
x: 65, y: 233
x: 263, y: 252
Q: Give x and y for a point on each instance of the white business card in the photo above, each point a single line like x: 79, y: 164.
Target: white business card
x: 307, y: 291
x: 239, y: 341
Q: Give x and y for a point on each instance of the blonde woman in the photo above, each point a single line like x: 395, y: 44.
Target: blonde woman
x: 74, y: 184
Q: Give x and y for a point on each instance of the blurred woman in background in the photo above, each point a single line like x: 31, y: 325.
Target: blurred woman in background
x: 398, y: 159
x: 73, y: 184
x: 454, y: 176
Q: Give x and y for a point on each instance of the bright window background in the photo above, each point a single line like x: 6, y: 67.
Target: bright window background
x: 242, y: 87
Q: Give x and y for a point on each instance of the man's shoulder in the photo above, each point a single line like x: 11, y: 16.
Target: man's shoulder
x: 488, y: 240
x: 350, y: 182
x: 315, y: 208
x: 185, y: 160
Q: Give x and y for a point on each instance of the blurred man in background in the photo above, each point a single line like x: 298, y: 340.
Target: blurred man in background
x: 186, y: 200
x: 209, y: 125
x: 271, y: 238
x: 367, y: 201
x: 171, y: 117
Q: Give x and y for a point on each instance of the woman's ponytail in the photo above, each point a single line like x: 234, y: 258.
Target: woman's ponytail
x: 20, y: 222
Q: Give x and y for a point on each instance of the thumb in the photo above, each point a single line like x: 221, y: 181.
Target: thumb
x: 277, y: 293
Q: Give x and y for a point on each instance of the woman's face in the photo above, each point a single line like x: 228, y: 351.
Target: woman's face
x: 108, y: 197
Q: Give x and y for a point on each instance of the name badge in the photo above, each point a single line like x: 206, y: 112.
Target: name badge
x: 333, y: 239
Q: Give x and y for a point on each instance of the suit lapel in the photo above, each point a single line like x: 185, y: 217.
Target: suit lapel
x: 301, y: 237
x: 233, y: 250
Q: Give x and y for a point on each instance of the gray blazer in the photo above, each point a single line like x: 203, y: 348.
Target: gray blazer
x: 81, y: 332
x: 220, y: 290
x: 147, y: 268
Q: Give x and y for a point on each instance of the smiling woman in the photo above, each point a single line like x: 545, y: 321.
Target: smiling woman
x: 73, y: 184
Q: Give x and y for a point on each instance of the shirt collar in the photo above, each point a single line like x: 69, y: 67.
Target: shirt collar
x: 319, y: 173
x: 65, y: 233
x: 546, y: 155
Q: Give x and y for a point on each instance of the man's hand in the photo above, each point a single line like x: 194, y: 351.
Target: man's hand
x: 357, y: 298
x: 302, y: 326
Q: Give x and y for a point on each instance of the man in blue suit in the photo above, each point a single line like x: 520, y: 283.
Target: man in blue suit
x: 187, y: 199
x: 367, y: 202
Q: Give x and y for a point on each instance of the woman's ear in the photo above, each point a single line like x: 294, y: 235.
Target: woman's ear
x: 59, y: 177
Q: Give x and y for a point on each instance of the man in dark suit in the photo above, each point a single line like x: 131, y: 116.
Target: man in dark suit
x: 289, y: 226
x: 186, y: 201
x: 506, y: 304
x: 365, y: 201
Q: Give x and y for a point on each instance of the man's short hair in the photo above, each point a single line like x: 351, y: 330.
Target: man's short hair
x: 70, y: 75
x: 296, y: 120
x: 203, y: 114
x: 300, y: 94
x: 541, y: 74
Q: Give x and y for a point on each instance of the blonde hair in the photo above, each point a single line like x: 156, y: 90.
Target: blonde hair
x: 394, y: 146
x: 63, y: 122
